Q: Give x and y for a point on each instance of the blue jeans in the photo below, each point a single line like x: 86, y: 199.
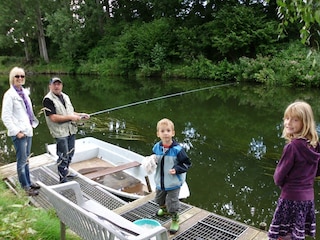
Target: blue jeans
x: 65, y: 152
x: 23, y: 148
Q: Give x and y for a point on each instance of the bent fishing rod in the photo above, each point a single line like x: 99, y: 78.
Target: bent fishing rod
x: 158, y: 98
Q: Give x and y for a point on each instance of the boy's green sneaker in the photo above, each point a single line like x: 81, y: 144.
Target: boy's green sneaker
x: 162, y: 211
x: 174, y: 227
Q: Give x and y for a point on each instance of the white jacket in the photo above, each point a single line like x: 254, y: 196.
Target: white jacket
x: 14, y: 113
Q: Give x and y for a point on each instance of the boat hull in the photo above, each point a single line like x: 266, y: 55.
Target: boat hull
x: 93, y: 155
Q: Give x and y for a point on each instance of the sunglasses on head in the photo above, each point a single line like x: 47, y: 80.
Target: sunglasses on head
x: 19, y: 76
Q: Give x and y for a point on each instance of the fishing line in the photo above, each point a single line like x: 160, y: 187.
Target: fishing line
x: 158, y: 98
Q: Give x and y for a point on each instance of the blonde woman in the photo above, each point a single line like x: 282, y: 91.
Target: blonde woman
x: 18, y: 117
x: 294, y: 216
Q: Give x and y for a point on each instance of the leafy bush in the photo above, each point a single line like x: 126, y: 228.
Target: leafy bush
x: 296, y: 65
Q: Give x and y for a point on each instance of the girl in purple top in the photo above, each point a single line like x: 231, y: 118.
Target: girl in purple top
x: 294, y: 216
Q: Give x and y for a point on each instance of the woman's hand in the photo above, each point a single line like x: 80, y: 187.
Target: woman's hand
x: 20, y: 135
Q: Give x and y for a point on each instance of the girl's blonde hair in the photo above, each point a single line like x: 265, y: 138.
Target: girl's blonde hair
x: 165, y: 122
x: 16, y: 71
x: 303, y: 112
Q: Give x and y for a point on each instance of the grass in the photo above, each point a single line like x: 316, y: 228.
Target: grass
x: 20, y: 220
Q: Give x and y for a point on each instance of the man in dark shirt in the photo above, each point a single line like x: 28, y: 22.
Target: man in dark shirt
x: 61, y: 120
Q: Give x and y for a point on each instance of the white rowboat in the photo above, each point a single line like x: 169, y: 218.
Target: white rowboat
x: 114, y: 168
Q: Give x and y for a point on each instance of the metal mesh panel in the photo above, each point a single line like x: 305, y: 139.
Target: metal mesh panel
x: 149, y: 210
x: 41, y: 174
x: 102, y: 196
x: 95, y: 192
x: 80, y: 223
x: 48, y: 177
x: 44, y: 175
x: 213, y: 227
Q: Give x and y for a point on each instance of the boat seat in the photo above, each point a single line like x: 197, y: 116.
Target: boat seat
x: 101, y: 173
x: 91, y: 220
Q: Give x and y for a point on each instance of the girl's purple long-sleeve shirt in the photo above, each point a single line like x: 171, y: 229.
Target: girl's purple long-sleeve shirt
x: 297, y: 169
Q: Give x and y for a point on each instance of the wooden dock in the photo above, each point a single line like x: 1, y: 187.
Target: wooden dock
x: 189, y: 219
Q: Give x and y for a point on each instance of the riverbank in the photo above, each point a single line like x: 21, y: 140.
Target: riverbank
x: 6, y: 63
x: 295, y: 65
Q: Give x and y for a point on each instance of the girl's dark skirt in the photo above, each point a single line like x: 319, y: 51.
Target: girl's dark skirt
x: 295, y: 218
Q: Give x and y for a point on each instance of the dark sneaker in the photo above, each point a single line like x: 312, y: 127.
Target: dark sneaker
x: 64, y: 180
x: 71, y: 175
x: 174, y: 227
x: 32, y: 192
x: 34, y: 186
x: 162, y: 212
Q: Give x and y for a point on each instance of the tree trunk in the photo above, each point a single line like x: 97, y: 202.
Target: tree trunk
x: 26, y: 50
x: 41, y: 39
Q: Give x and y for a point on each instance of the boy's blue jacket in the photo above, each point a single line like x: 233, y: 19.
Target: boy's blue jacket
x: 176, y: 158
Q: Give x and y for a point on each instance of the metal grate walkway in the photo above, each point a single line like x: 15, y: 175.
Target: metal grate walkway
x: 148, y: 210
x: 213, y: 227
x: 90, y: 191
x: 93, y: 191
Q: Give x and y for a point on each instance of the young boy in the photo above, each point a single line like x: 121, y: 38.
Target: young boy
x: 172, y: 165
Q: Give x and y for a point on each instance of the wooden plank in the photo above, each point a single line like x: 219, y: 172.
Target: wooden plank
x: 253, y: 233
x: 134, y: 204
x: 107, y: 171
x: 261, y: 236
x: 37, y: 161
x: 85, y: 171
x: 91, y: 163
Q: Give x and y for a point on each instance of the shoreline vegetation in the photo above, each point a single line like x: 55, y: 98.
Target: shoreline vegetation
x: 20, y: 220
x: 296, y: 65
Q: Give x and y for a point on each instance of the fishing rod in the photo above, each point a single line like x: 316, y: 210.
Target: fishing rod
x: 158, y: 98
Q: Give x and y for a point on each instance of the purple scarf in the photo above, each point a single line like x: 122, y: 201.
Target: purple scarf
x: 26, y: 103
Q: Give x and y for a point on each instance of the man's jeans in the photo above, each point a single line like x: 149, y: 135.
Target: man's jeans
x: 23, y: 148
x: 65, y: 152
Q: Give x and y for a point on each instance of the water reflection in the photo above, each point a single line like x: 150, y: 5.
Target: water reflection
x: 112, y: 127
x: 257, y: 148
x: 190, y: 134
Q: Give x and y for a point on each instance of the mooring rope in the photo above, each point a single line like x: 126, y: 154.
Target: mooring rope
x: 158, y: 98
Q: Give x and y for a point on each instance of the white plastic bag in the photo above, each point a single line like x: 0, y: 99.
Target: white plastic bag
x: 149, y: 163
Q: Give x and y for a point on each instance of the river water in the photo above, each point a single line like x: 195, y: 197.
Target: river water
x: 231, y: 133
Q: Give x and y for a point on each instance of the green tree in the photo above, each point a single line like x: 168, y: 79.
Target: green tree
x: 75, y: 29
x: 239, y: 31
x: 21, y: 23
x: 142, y: 44
x: 306, y: 13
